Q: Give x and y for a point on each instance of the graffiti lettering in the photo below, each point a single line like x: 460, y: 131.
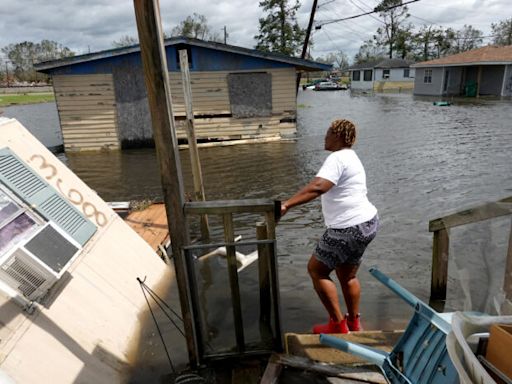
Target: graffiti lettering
x: 74, y: 196
x: 99, y: 217
x: 45, y: 165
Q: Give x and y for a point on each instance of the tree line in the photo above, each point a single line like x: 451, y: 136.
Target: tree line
x: 18, y: 59
x: 396, y: 38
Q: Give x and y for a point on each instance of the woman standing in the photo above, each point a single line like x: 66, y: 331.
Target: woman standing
x: 351, y: 222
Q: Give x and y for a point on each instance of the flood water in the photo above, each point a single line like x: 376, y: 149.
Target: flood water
x: 422, y: 162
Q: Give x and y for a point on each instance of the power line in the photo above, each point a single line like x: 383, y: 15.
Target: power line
x: 320, y: 25
x: 364, y: 10
x: 357, y: 32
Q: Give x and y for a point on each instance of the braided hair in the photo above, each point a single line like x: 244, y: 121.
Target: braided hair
x: 345, y: 130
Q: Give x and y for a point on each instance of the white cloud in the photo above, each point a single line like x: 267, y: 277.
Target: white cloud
x: 95, y: 24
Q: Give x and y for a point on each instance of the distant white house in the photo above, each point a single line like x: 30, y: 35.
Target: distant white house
x: 382, y: 75
x: 479, y: 72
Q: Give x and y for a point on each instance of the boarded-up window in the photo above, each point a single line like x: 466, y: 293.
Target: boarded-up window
x: 250, y: 94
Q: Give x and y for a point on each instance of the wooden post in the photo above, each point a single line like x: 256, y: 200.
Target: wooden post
x: 192, y: 143
x: 440, y: 251
x: 507, y: 284
x: 274, y: 277
x: 264, y: 279
x: 479, y: 79
x: 229, y: 238
x: 156, y: 76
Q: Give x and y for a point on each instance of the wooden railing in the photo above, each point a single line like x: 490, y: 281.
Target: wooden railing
x: 441, y: 244
x: 267, y: 271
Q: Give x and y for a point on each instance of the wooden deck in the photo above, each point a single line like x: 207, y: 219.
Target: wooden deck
x: 150, y: 224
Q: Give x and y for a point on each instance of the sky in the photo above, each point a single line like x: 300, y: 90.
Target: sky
x: 92, y: 25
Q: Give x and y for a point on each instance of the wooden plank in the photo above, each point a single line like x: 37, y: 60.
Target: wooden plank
x: 264, y: 280
x: 150, y: 224
x: 90, y: 123
x: 220, y: 207
x: 439, y: 279
x: 236, y: 302
x: 507, y: 284
x: 191, y: 139
x: 85, y: 108
x: 226, y: 143
x: 74, y: 115
x: 365, y: 374
x: 272, y: 371
x: 307, y: 345
x: 85, y: 130
x: 473, y: 215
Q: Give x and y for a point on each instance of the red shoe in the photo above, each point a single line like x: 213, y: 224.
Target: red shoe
x: 354, y: 324
x: 331, y: 327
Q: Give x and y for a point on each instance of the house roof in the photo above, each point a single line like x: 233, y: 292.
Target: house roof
x: 302, y: 64
x: 382, y: 63
x: 485, y: 55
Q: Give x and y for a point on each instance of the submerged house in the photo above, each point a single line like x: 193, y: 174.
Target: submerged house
x: 381, y: 75
x: 237, y: 93
x: 71, y: 309
x: 482, y: 71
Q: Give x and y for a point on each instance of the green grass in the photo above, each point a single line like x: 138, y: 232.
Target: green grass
x: 25, y: 98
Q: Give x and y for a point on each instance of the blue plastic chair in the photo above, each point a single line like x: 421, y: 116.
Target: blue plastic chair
x: 420, y: 356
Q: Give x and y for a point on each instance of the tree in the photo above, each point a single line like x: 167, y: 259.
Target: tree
x: 125, y: 41
x: 337, y: 59
x: 24, y: 55
x: 195, y: 26
x: 393, y: 34
x: 502, y: 32
x: 445, y: 40
x: 368, y: 52
x: 279, y: 30
x: 466, y: 39
x: 427, y: 43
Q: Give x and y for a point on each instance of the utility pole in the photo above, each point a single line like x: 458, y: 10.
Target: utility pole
x: 306, y: 39
x: 7, y: 74
x: 156, y: 77
x: 225, y: 35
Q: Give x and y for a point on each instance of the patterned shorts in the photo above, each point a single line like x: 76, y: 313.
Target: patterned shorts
x: 346, y: 245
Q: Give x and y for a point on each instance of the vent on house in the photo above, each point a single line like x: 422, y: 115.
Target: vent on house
x: 34, y: 266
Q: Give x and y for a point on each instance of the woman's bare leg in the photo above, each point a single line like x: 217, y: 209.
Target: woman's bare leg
x: 350, y: 287
x: 325, y: 288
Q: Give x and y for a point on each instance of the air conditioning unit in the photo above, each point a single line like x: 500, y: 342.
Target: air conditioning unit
x: 35, y: 265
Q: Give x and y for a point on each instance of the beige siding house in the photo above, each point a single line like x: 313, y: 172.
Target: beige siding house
x: 237, y: 93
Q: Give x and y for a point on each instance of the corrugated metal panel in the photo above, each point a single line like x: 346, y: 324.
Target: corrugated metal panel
x: 43, y: 198
x: 87, y: 110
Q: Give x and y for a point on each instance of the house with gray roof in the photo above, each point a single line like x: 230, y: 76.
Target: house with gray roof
x: 485, y: 71
x: 381, y: 75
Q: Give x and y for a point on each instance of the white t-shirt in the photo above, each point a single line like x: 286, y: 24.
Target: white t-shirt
x: 345, y: 204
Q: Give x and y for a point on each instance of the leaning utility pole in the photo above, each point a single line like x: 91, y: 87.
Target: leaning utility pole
x: 306, y: 39
x: 156, y: 77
